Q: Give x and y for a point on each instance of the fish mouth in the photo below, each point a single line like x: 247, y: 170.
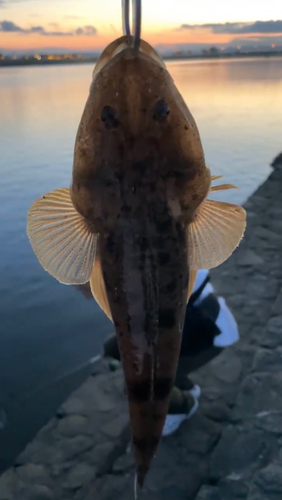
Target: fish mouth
x: 124, y: 48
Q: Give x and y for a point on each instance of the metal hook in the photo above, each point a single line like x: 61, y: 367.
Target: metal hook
x: 137, y: 15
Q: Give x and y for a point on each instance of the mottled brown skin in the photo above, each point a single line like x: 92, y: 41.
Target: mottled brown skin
x: 139, y: 175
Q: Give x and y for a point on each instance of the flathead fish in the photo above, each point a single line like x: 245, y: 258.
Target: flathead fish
x: 137, y: 224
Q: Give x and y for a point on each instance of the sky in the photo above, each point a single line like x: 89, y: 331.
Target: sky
x: 91, y: 24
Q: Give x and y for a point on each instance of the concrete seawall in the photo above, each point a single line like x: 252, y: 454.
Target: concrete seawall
x: 231, y: 448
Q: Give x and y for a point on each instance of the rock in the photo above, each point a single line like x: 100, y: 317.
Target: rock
x: 228, y: 456
x: 116, y: 426
x: 270, y: 479
x: 227, y: 368
x: 35, y: 493
x: 78, y: 475
x: 199, y: 435
x: 123, y: 463
x: 277, y: 306
x: 270, y: 421
x: 58, y: 470
x: 272, y: 335
x: 171, y: 482
x: 170, y: 493
x: 266, y: 360
x: 232, y: 487
x: 256, y: 286
x: 9, y: 485
x: 250, y: 258
x: 277, y: 162
x: 34, y: 473
x: 260, y: 392
x: 40, y: 453
x: 226, y: 489
x: 217, y: 411
x: 72, y: 425
x: 99, y: 454
x: 112, y: 487
x: 73, y: 405
x: 209, y: 493
x: 267, y: 235
x: 72, y: 447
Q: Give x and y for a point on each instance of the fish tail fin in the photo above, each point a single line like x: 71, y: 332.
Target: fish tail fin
x: 147, y: 422
x: 140, y: 476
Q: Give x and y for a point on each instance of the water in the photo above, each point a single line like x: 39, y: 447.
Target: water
x: 49, y: 330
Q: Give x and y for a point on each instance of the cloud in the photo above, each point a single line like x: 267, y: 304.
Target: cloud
x: 86, y: 31
x: 10, y: 27
x: 238, y: 28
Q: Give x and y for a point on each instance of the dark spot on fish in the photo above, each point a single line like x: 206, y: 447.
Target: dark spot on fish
x: 43, y: 197
x: 143, y: 444
x: 164, y: 258
x: 121, y: 150
x: 109, y: 117
x: 186, y: 128
x: 161, y: 110
x: 162, y: 388
x: 170, y: 288
x: 139, y: 392
x: 109, y: 183
x: 110, y: 243
x: 167, y: 318
x: 126, y: 208
x: 157, y: 417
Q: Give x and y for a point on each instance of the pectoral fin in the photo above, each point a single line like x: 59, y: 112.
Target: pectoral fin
x: 223, y: 187
x: 98, y: 289
x: 61, y: 238
x: 213, y: 235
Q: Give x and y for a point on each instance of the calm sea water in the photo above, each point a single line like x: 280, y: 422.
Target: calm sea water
x: 48, y: 330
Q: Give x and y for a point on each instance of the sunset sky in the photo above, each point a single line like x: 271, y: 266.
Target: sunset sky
x: 91, y: 24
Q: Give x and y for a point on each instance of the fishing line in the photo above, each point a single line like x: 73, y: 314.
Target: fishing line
x: 137, y: 20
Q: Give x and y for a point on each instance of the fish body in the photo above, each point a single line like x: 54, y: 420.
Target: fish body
x: 136, y: 223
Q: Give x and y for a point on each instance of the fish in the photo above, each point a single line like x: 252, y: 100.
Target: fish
x: 136, y: 223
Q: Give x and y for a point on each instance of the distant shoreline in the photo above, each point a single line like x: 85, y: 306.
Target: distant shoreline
x: 178, y: 57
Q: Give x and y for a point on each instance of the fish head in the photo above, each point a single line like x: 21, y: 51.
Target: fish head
x: 134, y: 117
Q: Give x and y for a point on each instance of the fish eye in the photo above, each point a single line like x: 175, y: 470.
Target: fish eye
x: 161, y: 110
x: 109, y: 117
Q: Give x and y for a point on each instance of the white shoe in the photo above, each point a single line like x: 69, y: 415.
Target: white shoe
x: 195, y: 392
x: 173, y: 422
